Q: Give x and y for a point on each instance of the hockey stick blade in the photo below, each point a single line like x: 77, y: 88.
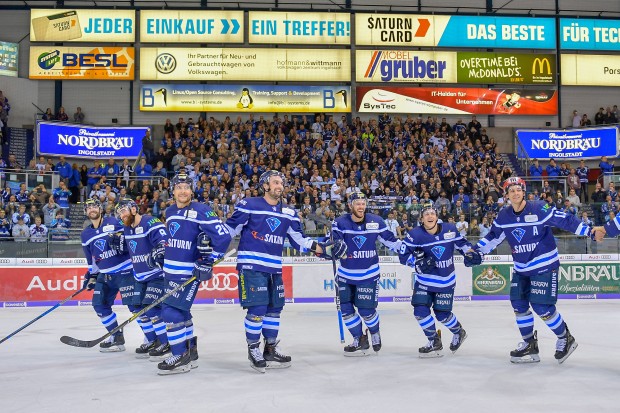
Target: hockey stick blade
x: 74, y: 342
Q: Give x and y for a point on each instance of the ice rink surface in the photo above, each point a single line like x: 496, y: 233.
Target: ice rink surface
x: 40, y: 374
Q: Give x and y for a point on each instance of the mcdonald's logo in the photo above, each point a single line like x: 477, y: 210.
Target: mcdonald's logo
x: 541, y: 64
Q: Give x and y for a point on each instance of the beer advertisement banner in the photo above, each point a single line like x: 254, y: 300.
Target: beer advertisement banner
x: 590, y: 70
x: 591, y: 143
x: 9, y: 59
x: 455, y: 101
x: 299, y: 28
x: 491, y: 279
x: 454, y: 67
x: 81, y: 141
x: 454, y: 31
x: 299, y: 65
x: 81, y: 63
x: 82, y: 25
x: 589, y: 34
x: 191, y: 26
x: 244, y: 98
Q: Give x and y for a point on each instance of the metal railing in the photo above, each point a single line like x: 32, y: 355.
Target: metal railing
x: 32, y: 179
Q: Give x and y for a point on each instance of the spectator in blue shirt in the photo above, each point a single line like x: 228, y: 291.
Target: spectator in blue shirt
x: 94, y: 175
x: 535, y: 169
x: 606, y: 167
x: 61, y: 195
x: 144, y: 170
x: 64, y: 169
x: 111, y: 169
x: 59, y: 227
x: 74, y: 184
x: 553, y: 169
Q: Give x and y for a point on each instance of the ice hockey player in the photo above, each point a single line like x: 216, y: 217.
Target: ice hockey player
x: 358, y: 274
x: 108, y: 271
x: 264, y: 223
x: 526, y: 225
x: 429, y: 250
x: 142, y: 234
x: 196, y: 239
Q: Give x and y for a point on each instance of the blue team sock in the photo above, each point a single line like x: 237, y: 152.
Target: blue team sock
x: 372, y: 322
x: 189, y: 329
x: 452, y: 323
x: 525, y: 322
x: 176, y: 338
x: 160, y: 329
x: 556, y: 324
x: 147, y: 328
x: 354, y: 324
x: 271, y: 327
x: 109, y: 321
x: 253, y: 327
x: 428, y: 326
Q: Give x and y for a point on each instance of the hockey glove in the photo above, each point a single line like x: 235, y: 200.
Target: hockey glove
x: 334, y: 249
x: 156, y: 258
x: 89, y: 281
x: 203, y: 270
x: 203, y: 245
x: 117, y: 243
x: 472, y: 257
x: 423, y: 263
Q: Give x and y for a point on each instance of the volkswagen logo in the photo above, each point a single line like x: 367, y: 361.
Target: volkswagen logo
x: 222, y: 282
x: 165, y: 63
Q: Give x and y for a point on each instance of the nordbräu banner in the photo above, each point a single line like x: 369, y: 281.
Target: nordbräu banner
x: 569, y: 144
x: 80, y: 141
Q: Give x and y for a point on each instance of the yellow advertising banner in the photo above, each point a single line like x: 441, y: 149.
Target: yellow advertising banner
x: 82, y: 25
x: 299, y: 28
x: 300, y: 65
x: 191, y: 26
x: 590, y: 70
x: 82, y: 63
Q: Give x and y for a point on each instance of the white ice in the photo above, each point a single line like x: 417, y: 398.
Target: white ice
x: 40, y: 374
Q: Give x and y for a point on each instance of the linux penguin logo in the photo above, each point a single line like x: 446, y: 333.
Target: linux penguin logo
x: 337, y: 101
x: 245, y: 101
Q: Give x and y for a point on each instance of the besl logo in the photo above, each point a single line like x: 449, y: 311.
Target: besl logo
x: 541, y: 63
x: 491, y: 280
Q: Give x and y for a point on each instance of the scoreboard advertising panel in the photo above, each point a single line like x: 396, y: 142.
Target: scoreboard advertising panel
x: 299, y: 28
x: 455, y: 101
x: 244, y: 98
x: 589, y: 34
x: 203, y: 64
x: 82, y: 25
x: 454, y: 31
x: 454, y: 67
x: 191, y: 26
x: 82, y: 63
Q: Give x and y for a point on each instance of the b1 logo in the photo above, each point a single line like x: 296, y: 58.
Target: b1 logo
x: 335, y: 100
x: 222, y: 282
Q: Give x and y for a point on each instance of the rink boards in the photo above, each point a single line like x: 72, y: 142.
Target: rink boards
x: 26, y: 282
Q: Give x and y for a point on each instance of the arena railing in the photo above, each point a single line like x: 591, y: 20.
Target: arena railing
x: 32, y: 179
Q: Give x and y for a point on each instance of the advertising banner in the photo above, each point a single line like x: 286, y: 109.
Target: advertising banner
x: 454, y: 101
x: 81, y: 141
x: 83, y: 25
x: 191, y: 26
x: 590, y: 70
x: 9, y: 58
x: 244, y: 98
x: 301, y: 65
x: 589, y: 143
x: 589, y: 34
x: 454, y: 31
x: 82, y: 63
x: 491, y: 278
x: 454, y: 67
x: 299, y: 28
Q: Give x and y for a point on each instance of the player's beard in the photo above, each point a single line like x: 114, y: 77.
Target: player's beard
x: 129, y: 219
x: 358, y: 215
x: 94, y: 218
x: 275, y: 194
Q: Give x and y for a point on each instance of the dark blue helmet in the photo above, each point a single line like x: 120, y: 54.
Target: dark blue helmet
x: 265, y: 176
x: 91, y: 202
x: 182, y: 178
x: 124, y: 203
x: 356, y: 195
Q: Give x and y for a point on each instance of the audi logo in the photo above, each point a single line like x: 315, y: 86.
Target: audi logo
x: 165, y: 63
x: 221, y: 282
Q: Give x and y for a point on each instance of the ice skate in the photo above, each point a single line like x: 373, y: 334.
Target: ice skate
x: 526, y: 352
x: 175, y: 364
x: 375, y: 338
x: 257, y: 361
x: 193, y: 352
x: 142, y: 352
x: 565, y: 347
x: 160, y: 353
x: 433, y: 348
x: 359, y: 347
x: 273, y: 357
x: 457, y: 340
x: 113, y: 344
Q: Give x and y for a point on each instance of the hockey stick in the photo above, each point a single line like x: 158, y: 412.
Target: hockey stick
x: 338, y: 308
x: 42, y: 315
x: 91, y: 343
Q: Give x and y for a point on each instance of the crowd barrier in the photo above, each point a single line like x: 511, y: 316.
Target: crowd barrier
x: 26, y: 282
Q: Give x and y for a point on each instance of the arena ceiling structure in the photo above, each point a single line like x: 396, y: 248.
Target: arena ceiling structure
x: 576, y: 8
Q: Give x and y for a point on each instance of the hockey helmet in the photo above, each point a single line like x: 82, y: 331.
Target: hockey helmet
x: 356, y: 195
x: 124, y: 203
x: 513, y: 180
x: 92, y: 202
x: 265, y: 176
x: 182, y: 178
x: 428, y: 206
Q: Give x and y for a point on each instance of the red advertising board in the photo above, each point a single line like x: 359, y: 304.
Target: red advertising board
x: 456, y: 101
x: 225, y: 280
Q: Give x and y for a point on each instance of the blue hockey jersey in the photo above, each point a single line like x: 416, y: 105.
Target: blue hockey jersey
x: 534, y: 250
x: 263, y: 228
x: 99, y: 256
x: 441, y: 246
x: 140, y: 241
x: 362, y: 262
x: 184, y: 225
x: 612, y: 228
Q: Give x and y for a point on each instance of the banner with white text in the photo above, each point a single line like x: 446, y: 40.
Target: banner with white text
x: 269, y: 27
x: 191, y: 26
x: 82, y: 25
x: 589, y: 34
x: 591, y: 143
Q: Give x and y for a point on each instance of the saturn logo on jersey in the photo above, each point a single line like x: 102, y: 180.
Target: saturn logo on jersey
x: 273, y: 223
x: 274, y: 239
x: 359, y: 240
x: 438, y: 251
x: 132, y: 246
x: 173, y: 227
x: 518, y: 233
x: 100, y: 243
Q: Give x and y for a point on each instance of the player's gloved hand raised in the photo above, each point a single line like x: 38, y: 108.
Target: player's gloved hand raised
x: 203, y: 270
x: 117, y: 243
x: 89, y: 281
x: 472, y: 257
x: 156, y: 258
x: 334, y: 249
x: 423, y: 264
x: 203, y: 245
